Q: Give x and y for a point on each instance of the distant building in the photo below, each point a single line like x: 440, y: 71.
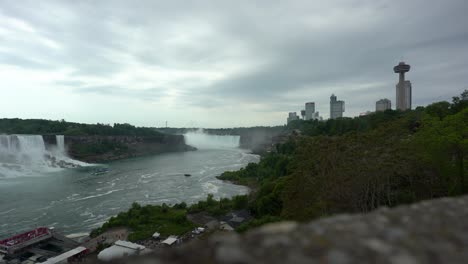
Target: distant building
x: 309, y: 111
x: 316, y: 116
x: 383, y: 104
x: 122, y: 249
x: 303, y: 114
x: 403, y: 88
x: 170, y: 240
x: 41, y: 245
x: 336, y: 107
x: 292, y: 116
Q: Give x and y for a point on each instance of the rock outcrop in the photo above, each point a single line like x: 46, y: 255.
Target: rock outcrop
x: 107, y: 148
x: 433, y: 231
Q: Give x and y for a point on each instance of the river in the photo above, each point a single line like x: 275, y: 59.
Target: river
x: 75, y: 201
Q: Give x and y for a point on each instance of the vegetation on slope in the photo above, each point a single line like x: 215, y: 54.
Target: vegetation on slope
x: 41, y: 126
x: 356, y: 165
x: 144, y: 221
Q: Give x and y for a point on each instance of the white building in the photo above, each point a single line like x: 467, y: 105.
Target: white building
x: 122, y: 249
x: 63, y: 258
x: 292, y: 116
x: 383, y: 104
x: 309, y: 111
x: 336, y: 107
x: 170, y: 240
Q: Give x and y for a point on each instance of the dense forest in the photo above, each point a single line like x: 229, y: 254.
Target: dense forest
x: 43, y: 127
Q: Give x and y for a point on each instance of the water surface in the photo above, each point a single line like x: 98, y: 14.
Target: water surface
x: 75, y: 201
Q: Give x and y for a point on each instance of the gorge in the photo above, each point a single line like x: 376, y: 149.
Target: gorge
x: 37, y: 189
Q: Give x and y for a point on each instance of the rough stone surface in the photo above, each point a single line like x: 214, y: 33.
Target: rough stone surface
x: 136, y: 146
x: 428, y: 232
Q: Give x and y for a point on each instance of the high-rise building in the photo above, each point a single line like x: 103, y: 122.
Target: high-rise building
x: 310, y: 110
x: 403, y: 87
x: 383, y: 104
x: 336, y: 107
x: 292, y: 116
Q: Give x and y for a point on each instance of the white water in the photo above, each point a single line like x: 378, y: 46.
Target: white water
x: 26, y: 155
x: 60, y: 144
x: 201, y: 140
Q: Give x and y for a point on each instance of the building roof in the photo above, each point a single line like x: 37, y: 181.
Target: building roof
x: 65, y: 255
x: 128, y: 244
x: 120, y: 249
x: 156, y: 235
x: 170, y: 240
x: 14, y: 243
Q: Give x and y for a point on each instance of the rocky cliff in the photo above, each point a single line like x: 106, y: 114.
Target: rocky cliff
x: 108, y: 148
x: 433, y: 231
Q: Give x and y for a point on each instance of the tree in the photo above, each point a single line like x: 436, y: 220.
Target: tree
x: 445, y: 143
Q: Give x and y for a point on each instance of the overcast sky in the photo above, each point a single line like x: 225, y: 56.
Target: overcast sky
x: 223, y: 63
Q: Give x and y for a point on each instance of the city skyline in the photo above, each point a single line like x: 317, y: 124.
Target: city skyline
x: 222, y: 64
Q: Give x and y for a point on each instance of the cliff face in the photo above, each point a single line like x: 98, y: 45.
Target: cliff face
x: 108, y: 148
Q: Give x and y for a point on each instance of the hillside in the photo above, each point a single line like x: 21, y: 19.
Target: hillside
x: 357, y: 165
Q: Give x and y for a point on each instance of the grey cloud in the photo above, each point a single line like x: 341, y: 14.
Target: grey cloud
x: 303, y: 51
x: 153, y: 94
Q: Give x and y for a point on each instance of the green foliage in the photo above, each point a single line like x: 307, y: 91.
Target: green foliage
x: 443, y: 145
x: 388, y: 159
x: 40, y: 126
x: 221, y: 207
x: 267, y: 177
x: 272, y: 165
x: 99, y: 147
x: 145, y: 220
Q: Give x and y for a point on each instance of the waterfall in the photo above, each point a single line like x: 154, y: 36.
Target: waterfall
x: 60, y: 143
x: 22, y: 149
x: 26, y: 155
x: 202, y: 140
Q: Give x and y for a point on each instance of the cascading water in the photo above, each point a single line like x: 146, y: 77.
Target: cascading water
x: 202, y: 140
x: 60, y: 144
x: 26, y: 155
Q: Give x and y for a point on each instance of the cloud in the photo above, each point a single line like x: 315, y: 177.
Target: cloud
x: 226, y: 63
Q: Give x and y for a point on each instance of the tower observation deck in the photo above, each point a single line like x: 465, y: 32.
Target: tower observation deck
x: 403, y: 88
